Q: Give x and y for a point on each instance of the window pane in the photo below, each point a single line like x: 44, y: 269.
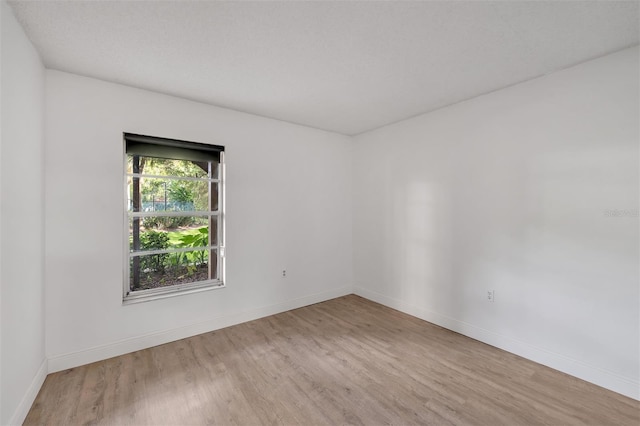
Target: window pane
x: 163, y: 270
x: 171, y: 195
x: 165, y: 167
x: 214, y: 230
x: 161, y: 232
x: 215, y: 170
x: 214, y: 197
x: 213, y: 262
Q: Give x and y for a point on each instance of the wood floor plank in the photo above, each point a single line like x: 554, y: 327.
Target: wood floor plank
x: 344, y: 361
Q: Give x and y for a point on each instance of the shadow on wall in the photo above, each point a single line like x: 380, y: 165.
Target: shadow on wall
x: 420, y: 234
x: 557, y: 240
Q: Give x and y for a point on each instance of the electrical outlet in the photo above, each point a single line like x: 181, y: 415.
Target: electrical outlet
x: 491, y: 295
x: 284, y: 273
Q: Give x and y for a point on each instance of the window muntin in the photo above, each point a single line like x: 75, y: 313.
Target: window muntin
x: 174, y: 226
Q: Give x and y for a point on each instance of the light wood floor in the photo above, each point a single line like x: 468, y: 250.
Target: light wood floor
x: 344, y: 361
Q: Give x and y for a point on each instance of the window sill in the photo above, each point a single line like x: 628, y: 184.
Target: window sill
x: 173, y: 291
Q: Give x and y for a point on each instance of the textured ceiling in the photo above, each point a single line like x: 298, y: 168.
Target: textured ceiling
x: 347, y: 67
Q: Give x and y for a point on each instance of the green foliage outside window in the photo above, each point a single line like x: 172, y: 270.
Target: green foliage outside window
x: 175, y: 215
x: 153, y: 240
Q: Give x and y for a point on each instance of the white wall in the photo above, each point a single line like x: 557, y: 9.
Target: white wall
x: 508, y: 192
x: 288, y: 206
x: 22, y: 351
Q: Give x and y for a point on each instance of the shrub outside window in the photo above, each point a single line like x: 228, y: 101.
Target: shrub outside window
x: 174, y: 217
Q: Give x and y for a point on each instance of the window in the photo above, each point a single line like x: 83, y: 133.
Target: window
x: 174, y: 217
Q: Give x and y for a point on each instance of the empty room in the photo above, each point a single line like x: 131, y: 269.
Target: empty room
x: 320, y: 212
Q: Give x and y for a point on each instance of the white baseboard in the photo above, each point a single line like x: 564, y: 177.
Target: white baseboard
x: 99, y: 353
x: 606, y: 379
x: 27, y: 400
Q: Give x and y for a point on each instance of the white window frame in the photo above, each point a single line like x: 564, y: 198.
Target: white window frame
x: 186, y: 288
